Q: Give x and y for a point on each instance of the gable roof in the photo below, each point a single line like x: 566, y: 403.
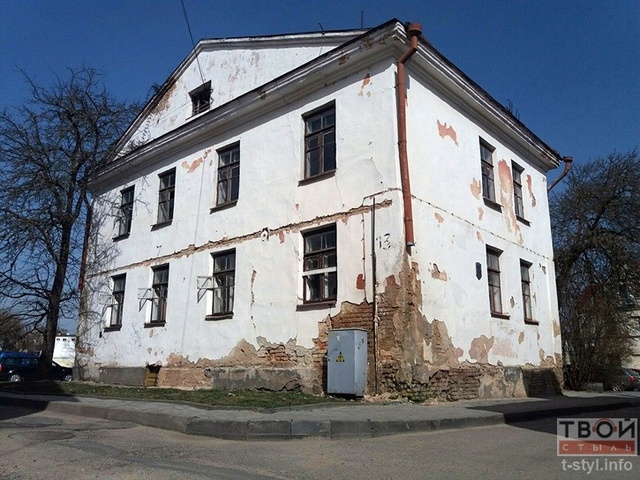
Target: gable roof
x: 361, y: 46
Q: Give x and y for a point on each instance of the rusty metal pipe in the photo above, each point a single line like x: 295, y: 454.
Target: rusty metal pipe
x: 568, y: 161
x: 414, y: 31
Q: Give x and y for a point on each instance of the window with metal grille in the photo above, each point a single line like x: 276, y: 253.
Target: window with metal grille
x: 117, y: 303
x: 493, y: 278
x: 125, y: 211
x: 223, y: 285
x: 201, y: 98
x: 320, y: 275
x: 166, y: 196
x: 525, y: 281
x: 320, y: 142
x: 228, y: 174
x: 518, y: 201
x: 160, y: 292
x: 486, y: 161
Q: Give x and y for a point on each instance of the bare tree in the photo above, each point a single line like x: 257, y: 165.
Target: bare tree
x: 596, y: 231
x: 49, y: 149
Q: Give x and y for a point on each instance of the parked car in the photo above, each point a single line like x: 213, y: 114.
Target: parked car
x: 624, y: 378
x: 18, y: 366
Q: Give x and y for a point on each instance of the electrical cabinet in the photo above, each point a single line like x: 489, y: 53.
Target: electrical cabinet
x: 347, y: 361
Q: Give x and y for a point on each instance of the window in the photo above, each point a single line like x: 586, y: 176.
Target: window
x: 320, y: 277
x: 159, y: 292
x: 518, y: 202
x: 486, y: 160
x: 320, y: 142
x: 228, y: 174
x: 201, y: 98
x: 125, y: 211
x: 493, y: 278
x: 166, y: 196
x: 224, y: 273
x: 117, y: 302
x: 525, y: 281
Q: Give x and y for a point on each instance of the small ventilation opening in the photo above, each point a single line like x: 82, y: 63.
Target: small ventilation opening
x: 201, y: 98
x: 151, y: 376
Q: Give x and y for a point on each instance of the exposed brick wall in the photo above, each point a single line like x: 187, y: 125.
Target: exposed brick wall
x: 350, y: 316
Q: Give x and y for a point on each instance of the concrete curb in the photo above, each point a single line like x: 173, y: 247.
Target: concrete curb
x: 287, y: 429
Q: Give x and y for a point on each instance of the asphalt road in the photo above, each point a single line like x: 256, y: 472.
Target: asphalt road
x: 48, y: 445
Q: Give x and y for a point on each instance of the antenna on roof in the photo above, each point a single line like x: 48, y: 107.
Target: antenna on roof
x: 184, y: 10
x: 322, y: 29
x: 361, y: 18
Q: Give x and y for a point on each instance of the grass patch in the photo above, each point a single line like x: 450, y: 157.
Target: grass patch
x: 209, y: 398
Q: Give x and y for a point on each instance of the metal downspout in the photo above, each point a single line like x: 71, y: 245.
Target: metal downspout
x: 567, y: 167
x: 414, y: 30
x: 376, y: 319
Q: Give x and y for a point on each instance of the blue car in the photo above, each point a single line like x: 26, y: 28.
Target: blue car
x: 18, y: 366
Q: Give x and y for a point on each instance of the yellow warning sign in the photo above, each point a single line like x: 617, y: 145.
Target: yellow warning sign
x: 340, y: 358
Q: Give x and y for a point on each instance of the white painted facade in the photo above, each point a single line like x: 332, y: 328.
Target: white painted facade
x: 260, y: 97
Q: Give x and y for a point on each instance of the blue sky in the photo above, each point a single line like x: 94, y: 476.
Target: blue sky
x: 570, y: 68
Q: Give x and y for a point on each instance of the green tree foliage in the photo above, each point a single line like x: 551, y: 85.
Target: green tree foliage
x: 596, y: 231
x: 49, y: 149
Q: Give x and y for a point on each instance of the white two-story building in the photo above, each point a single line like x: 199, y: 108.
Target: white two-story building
x: 276, y: 188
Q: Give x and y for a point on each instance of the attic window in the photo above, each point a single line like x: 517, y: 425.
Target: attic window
x: 201, y: 98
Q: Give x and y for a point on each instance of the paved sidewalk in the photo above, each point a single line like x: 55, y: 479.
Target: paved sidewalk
x: 356, y: 419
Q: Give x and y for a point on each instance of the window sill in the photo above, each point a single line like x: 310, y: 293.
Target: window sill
x: 154, y: 324
x: 532, y: 322
x: 223, y: 206
x: 523, y: 220
x: 315, y: 178
x: 316, y: 305
x: 158, y: 226
x: 120, y: 237
x: 221, y: 316
x: 112, y: 328
x: 502, y: 316
x: 492, y: 205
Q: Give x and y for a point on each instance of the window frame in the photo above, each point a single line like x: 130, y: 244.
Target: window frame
x: 487, y: 172
x: 226, y: 275
x: 228, y: 170
x: 525, y: 287
x: 518, y: 191
x: 327, y: 156
x: 168, y: 191
x: 125, y: 212
x: 117, y: 300
x: 160, y: 295
x: 200, y: 99
x: 494, y: 282
x: 324, y: 275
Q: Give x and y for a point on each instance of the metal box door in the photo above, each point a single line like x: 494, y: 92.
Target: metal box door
x: 347, y: 361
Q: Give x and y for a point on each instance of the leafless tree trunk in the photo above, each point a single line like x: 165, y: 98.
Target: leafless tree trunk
x: 49, y: 149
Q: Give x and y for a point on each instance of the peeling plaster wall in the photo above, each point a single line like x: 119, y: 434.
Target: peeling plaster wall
x: 435, y: 335
x: 265, y: 229
x: 233, y: 71
x: 455, y: 226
